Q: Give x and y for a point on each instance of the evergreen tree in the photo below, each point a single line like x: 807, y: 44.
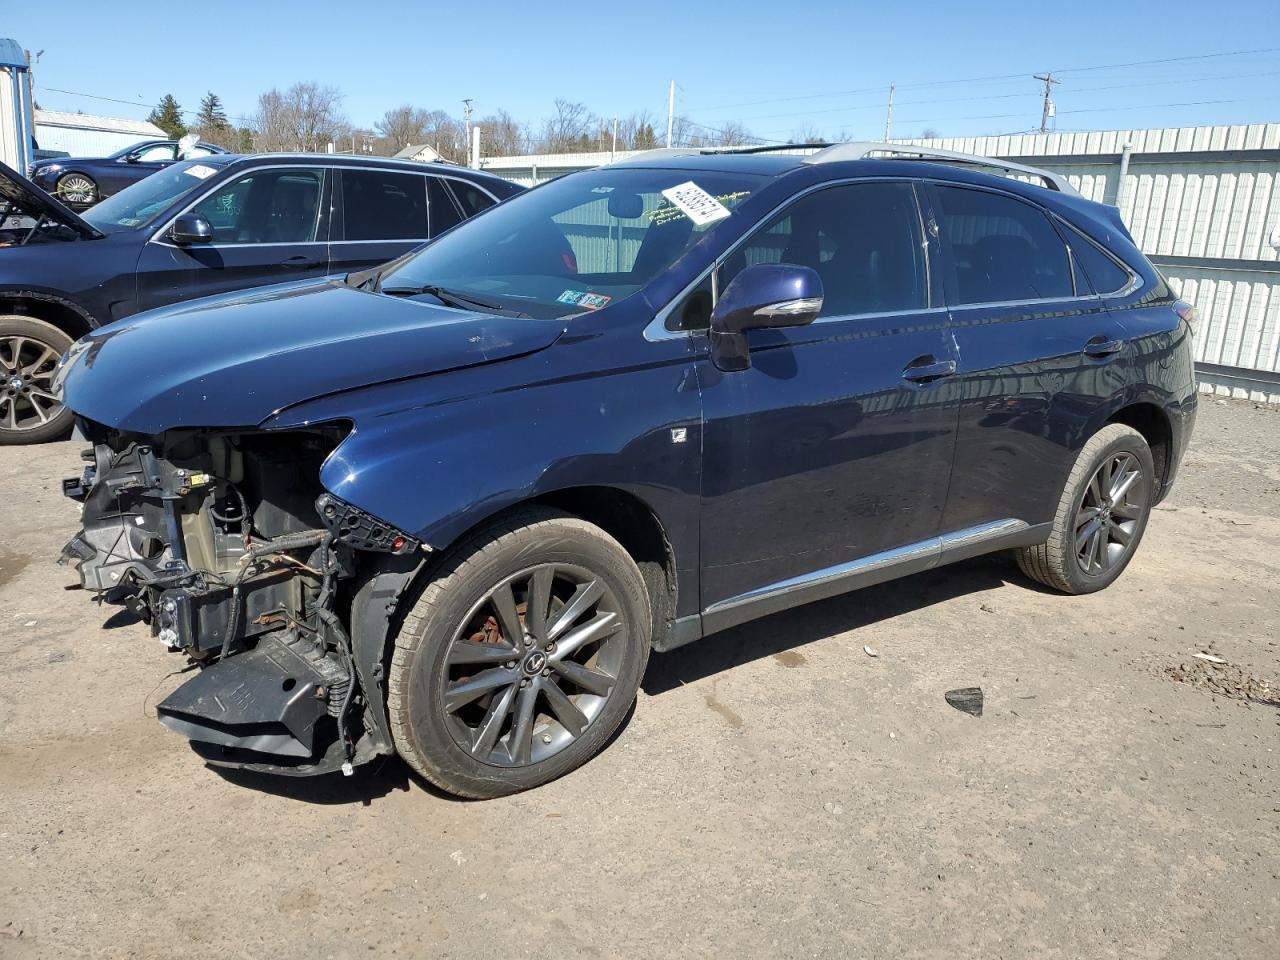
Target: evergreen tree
x: 168, y: 117
x: 211, y: 120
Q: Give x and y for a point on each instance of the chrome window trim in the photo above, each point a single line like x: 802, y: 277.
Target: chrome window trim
x: 300, y: 163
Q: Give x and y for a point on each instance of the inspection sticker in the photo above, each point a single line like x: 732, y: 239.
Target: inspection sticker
x: 701, y: 207
x: 581, y: 298
x: 200, y: 170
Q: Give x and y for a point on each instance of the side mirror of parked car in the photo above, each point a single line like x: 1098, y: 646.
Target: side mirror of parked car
x: 132, y: 157
x: 763, y: 295
x: 191, y: 228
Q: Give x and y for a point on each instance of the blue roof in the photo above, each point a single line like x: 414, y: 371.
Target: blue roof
x: 12, y: 54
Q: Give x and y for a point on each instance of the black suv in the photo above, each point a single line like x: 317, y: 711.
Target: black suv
x: 445, y: 508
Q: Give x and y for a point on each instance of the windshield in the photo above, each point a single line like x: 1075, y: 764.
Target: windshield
x: 141, y: 202
x: 575, y: 244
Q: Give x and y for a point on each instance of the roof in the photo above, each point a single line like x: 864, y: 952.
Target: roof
x: 416, y: 150
x: 86, y: 121
x: 12, y: 54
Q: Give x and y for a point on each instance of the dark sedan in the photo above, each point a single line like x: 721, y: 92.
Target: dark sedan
x: 213, y: 225
x: 83, y: 181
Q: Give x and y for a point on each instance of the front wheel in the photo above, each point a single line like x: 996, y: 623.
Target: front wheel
x: 78, y: 189
x: 521, y: 657
x: 1101, y: 516
x: 30, y: 412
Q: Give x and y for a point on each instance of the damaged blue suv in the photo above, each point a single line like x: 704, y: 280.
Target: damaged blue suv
x: 446, y: 507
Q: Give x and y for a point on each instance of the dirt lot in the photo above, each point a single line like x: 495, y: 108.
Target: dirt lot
x: 777, y: 792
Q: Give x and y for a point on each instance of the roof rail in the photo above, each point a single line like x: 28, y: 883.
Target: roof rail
x: 860, y: 151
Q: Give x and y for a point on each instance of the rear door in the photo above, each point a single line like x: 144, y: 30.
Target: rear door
x: 1039, y: 355
x: 382, y: 214
x: 836, y: 444
x: 270, y: 225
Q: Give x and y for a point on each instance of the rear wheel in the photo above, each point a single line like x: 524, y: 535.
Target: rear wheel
x: 77, y: 188
x: 1101, y: 516
x: 30, y: 412
x: 521, y: 657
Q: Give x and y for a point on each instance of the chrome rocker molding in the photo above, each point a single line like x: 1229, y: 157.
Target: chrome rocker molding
x: 854, y: 575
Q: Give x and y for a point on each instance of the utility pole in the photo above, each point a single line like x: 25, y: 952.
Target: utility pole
x: 466, y: 112
x: 1048, y: 110
x: 671, y: 110
x: 888, y: 117
x: 614, y: 151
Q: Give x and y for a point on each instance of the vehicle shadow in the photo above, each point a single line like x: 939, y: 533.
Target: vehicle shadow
x: 803, y: 625
x: 378, y: 779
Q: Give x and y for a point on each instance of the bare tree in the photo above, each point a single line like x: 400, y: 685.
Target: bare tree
x: 305, y: 117
x: 928, y: 133
x: 404, y: 125
x: 570, y: 129
x: 807, y: 134
x: 503, y: 135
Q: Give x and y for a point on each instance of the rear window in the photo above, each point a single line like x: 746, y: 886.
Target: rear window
x: 1103, y: 273
x: 384, y: 205
x: 472, y: 199
x: 1000, y: 249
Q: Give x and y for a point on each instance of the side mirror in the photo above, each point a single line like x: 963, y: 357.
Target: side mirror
x: 764, y: 295
x: 191, y: 228
x: 132, y: 157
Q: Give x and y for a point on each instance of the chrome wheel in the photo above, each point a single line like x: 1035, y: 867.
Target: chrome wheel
x: 77, y: 188
x: 1109, y: 515
x: 533, y: 665
x: 27, y: 400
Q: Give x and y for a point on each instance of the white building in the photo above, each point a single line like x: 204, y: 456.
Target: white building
x: 84, y: 135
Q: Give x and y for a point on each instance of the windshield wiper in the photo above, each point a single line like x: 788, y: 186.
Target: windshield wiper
x: 450, y: 298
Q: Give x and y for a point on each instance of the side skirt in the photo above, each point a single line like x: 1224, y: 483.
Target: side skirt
x: 854, y: 575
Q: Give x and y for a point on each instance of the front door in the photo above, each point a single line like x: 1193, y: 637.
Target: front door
x: 269, y: 226
x: 836, y: 444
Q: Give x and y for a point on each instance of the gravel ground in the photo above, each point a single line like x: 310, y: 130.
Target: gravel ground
x: 777, y: 792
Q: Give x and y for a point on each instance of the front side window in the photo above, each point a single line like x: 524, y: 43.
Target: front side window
x: 579, y: 243
x: 999, y: 249
x: 158, y: 151
x: 266, y: 206
x: 863, y: 240
x: 141, y: 202
x: 384, y: 205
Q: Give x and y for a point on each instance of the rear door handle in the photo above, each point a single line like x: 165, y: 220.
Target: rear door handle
x: 300, y: 261
x: 927, y: 369
x: 1100, y: 347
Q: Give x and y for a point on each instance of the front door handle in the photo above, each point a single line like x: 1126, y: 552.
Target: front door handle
x: 926, y: 369
x: 300, y: 261
x: 1100, y: 347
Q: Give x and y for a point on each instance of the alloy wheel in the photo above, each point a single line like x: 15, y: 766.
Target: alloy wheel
x: 27, y: 400
x: 1110, y: 513
x: 76, y: 189
x: 533, y: 665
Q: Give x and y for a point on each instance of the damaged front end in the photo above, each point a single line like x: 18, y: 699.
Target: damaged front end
x: 226, y: 545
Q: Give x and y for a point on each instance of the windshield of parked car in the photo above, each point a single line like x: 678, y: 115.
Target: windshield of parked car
x: 141, y: 202
x: 575, y: 244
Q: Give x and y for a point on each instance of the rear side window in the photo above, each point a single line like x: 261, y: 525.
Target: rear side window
x: 444, y: 212
x: 471, y: 198
x: 863, y: 240
x: 1000, y: 249
x: 384, y: 205
x: 1103, y: 273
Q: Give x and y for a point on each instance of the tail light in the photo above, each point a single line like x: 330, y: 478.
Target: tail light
x: 1188, y: 312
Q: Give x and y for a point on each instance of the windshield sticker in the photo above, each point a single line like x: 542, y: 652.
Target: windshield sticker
x: 581, y: 298
x: 200, y: 171
x: 701, y: 207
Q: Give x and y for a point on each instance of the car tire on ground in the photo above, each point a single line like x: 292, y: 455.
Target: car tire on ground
x: 76, y: 189
x: 482, y: 713
x: 1101, y: 516
x: 29, y: 354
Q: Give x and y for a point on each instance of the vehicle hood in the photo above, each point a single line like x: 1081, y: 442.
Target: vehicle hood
x: 235, y: 360
x: 25, y: 197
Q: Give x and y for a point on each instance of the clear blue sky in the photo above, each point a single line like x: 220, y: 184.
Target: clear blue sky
x: 777, y: 66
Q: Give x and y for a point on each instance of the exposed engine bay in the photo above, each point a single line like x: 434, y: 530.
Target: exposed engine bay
x: 227, y: 546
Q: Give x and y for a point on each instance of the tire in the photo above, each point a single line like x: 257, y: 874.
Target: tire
x: 1096, y: 532
x: 76, y: 189
x: 453, y: 642
x: 29, y: 354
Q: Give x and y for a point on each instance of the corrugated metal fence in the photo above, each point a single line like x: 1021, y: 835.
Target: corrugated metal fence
x: 1202, y: 202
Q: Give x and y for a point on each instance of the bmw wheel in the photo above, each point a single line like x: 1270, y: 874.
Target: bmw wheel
x: 77, y: 188
x: 30, y: 412
x: 521, y: 657
x: 1101, y: 516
